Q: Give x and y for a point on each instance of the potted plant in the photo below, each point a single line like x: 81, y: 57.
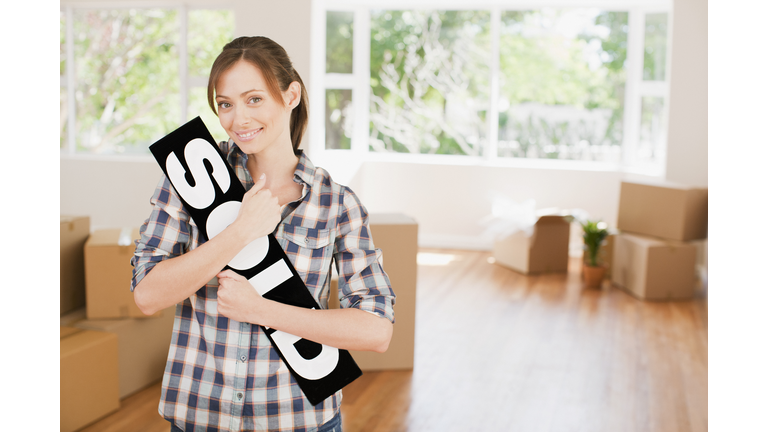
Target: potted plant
x: 595, y: 233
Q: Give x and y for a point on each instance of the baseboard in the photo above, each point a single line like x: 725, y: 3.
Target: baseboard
x: 476, y: 243
x: 450, y: 241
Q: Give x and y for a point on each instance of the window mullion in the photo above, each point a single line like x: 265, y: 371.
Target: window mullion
x: 361, y: 69
x: 183, y: 67
x: 317, y: 80
x: 491, y: 151
x: 71, y: 86
x: 632, y: 97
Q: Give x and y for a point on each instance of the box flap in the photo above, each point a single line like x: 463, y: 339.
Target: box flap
x: 70, y: 218
x: 65, y: 332
x: 390, y: 219
x: 552, y: 219
x: 111, y: 237
x: 650, y: 241
x: 663, y: 184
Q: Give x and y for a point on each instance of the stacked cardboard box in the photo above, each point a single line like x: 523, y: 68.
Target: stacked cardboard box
x: 543, y: 252
x: 142, y: 346
x: 107, y: 314
x: 74, y: 232
x: 108, y: 274
x: 397, y: 237
x: 655, y: 253
x: 89, y: 377
x: 110, y: 307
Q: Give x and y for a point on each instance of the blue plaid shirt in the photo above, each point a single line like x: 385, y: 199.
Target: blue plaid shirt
x: 223, y: 374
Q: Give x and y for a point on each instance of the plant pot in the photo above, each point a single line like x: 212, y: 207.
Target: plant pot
x: 593, y: 276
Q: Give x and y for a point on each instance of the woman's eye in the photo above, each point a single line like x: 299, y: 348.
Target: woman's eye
x: 254, y: 99
x: 224, y: 105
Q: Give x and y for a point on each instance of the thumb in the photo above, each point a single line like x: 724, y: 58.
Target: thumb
x: 259, y: 185
x: 227, y: 274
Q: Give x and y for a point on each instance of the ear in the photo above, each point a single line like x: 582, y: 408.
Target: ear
x: 292, y: 95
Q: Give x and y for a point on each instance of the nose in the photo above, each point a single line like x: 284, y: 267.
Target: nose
x: 241, y: 117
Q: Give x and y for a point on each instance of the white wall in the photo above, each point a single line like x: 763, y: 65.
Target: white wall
x: 114, y: 193
x: 687, y: 137
x: 446, y: 200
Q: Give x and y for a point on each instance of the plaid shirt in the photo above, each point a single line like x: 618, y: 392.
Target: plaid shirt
x: 223, y: 374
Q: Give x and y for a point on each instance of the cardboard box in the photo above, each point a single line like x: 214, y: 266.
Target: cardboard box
x: 654, y: 269
x: 605, y: 256
x: 69, y: 319
x: 397, y: 237
x: 108, y: 274
x: 89, y: 379
x: 664, y: 210
x: 74, y: 232
x: 544, y: 251
x: 142, y: 347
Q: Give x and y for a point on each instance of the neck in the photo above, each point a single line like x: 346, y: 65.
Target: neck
x: 277, y: 162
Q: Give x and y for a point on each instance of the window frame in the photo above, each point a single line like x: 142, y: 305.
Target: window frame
x: 636, y: 88
x: 187, y: 82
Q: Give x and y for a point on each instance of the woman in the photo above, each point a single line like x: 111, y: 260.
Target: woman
x: 222, y: 372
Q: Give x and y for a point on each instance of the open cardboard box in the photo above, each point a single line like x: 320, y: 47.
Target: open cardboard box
x: 546, y: 250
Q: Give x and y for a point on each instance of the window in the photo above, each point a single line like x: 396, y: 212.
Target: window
x: 497, y: 83
x: 129, y: 76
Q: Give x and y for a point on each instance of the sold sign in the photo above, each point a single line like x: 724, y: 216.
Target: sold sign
x: 212, y: 194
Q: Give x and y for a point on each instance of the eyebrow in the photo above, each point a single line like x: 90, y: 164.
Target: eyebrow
x: 241, y: 94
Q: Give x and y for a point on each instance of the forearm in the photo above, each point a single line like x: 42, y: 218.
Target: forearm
x: 173, y: 280
x: 351, y: 329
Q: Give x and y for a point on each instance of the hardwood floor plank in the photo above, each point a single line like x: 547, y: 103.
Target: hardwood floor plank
x: 500, y: 351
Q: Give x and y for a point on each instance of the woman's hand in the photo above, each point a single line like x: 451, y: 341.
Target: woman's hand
x: 259, y: 212
x: 237, y: 298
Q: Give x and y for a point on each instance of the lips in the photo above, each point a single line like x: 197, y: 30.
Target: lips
x: 249, y: 134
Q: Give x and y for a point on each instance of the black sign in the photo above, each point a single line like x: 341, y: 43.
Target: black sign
x: 212, y: 194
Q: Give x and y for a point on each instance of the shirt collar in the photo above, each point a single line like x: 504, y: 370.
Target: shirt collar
x: 305, y: 169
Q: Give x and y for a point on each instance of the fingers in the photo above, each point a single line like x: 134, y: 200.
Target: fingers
x: 229, y: 274
x: 258, y: 185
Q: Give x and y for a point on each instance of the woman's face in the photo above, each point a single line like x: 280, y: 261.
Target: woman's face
x: 247, y: 111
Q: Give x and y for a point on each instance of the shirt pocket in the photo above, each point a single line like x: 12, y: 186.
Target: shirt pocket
x: 310, y: 250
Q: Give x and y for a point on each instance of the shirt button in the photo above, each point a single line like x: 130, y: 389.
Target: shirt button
x: 306, y: 240
x: 239, y: 396
x: 243, y: 357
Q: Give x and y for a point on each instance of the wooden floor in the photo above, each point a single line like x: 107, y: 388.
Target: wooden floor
x: 499, y: 351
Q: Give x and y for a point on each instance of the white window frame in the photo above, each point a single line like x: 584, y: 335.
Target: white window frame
x: 358, y: 81
x: 187, y: 82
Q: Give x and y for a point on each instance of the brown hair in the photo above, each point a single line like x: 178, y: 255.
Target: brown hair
x: 278, y: 71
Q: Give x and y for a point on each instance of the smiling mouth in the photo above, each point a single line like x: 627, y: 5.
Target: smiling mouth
x: 248, y: 135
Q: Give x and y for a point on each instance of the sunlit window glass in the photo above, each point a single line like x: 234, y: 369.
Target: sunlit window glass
x: 429, y: 81
x: 62, y: 73
x: 652, y: 132
x: 339, y: 30
x: 655, y: 55
x: 562, y: 81
x: 207, y: 33
x: 198, y: 106
x: 338, y: 119
x: 127, y: 82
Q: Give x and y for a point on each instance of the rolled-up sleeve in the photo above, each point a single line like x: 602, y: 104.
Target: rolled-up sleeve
x: 165, y: 234
x: 363, y: 284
